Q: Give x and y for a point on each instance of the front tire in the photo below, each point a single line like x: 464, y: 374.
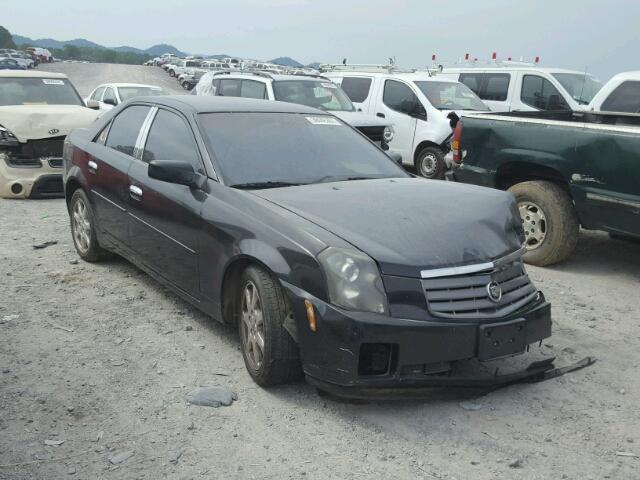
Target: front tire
x: 270, y: 354
x: 430, y: 163
x: 83, y: 228
x: 550, y: 222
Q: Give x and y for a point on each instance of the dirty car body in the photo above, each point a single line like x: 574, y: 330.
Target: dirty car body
x: 37, y: 111
x: 398, y: 297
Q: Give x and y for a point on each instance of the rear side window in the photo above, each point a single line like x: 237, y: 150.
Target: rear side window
x: 357, y: 88
x: 253, y: 89
x: 170, y: 138
x: 396, y: 93
x: 109, y: 94
x: 540, y: 93
x: 124, y: 130
x: 625, y: 98
x: 97, y: 95
x: 229, y: 88
x: 488, y: 86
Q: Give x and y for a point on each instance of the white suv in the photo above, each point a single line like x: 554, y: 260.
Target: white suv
x: 423, y: 109
x: 311, y: 90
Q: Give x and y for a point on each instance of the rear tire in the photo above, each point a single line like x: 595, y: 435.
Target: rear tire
x: 430, y: 163
x: 270, y: 354
x: 549, y: 220
x: 83, y: 228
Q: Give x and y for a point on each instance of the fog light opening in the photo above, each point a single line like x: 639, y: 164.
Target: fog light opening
x: 16, y: 188
x: 376, y: 358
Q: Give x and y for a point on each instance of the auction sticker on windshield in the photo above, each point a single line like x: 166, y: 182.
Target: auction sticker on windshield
x: 50, y: 81
x: 323, y: 120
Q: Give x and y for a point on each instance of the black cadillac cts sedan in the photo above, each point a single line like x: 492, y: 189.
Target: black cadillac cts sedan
x: 333, y: 262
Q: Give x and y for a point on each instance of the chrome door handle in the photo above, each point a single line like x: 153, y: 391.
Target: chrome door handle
x: 135, y: 192
x: 93, y: 166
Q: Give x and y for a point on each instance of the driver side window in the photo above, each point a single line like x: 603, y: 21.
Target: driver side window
x: 109, y: 94
x: 540, y: 93
x: 398, y: 96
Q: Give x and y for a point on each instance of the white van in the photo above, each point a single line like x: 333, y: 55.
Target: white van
x: 423, y: 109
x: 513, y: 87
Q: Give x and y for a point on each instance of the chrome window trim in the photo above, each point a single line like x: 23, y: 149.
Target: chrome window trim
x: 475, y: 268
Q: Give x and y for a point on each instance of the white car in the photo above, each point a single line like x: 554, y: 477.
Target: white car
x: 621, y: 94
x: 515, y: 86
x: 422, y: 108
x: 105, y: 97
x: 313, y: 91
x: 37, y: 111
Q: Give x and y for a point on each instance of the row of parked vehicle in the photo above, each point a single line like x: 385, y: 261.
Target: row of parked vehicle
x: 11, y: 59
x: 272, y: 208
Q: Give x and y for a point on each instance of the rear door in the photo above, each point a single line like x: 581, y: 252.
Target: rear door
x: 493, y: 88
x: 359, y: 89
x: 108, y: 167
x: 165, y: 225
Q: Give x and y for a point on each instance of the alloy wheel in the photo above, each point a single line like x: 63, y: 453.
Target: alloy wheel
x: 81, y: 226
x: 252, y: 325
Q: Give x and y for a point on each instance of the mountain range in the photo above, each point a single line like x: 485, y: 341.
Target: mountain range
x: 154, y: 51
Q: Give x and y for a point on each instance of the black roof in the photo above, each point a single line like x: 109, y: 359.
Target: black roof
x: 211, y: 104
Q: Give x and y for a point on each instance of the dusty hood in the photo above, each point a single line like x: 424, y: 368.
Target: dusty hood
x: 408, y: 225
x: 359, y: 119
x: 32, y: 122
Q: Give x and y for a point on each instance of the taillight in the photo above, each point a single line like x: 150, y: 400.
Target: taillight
x: 456, y: 146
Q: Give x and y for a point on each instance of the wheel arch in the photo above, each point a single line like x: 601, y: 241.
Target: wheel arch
x: 511, y: 173
x: 422, y: 145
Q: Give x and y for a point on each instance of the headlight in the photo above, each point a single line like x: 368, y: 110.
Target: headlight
x: 7, y: 139
x: 354, y: 280
x: 388, y: 134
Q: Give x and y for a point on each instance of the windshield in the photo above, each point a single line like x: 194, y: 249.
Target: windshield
x: 324, y: 95
x: 450, y: 96
x: 129, y: 92
x: 582, y: 88
x: 291, y: 148
x: 38, y: 91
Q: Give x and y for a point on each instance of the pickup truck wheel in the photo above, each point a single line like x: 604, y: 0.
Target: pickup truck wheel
x: 270, y: 354
x: 549, y: 220
x: 83, y: 230
x: 430, y: 163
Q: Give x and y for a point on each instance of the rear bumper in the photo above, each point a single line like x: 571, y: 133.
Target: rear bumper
x: 357, y: 350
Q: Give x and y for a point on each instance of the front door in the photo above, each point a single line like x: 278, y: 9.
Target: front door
x: 165, y: 224
x: 396, y: 96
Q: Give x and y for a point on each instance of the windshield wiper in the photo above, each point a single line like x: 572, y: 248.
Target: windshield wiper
x: 270, y: 184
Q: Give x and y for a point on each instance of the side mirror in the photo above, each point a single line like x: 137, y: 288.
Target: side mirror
x: 93, y: 104
x: 396, y: 157
x: 110, y: 101
x: 173, y: 171
x: 413, y: 108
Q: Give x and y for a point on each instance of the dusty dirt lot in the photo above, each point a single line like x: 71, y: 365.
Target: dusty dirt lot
x: 96, y: 361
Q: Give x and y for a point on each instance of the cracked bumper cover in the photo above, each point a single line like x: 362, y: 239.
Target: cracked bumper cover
x: 422, y: 351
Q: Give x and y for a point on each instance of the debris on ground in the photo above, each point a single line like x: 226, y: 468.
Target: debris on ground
x: 516, y: 464
x: 119, y: 457
x: 9, y: 318
x: 472, y: 405
x: 626, y: 454
x: 53, y: 443
x: 212, y: 397
x: 48, y: 243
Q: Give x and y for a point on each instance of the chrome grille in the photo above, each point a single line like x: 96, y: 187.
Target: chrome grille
x: 467, y: 296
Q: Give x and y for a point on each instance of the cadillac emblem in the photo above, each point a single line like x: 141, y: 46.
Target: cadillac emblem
x: 494, y: 291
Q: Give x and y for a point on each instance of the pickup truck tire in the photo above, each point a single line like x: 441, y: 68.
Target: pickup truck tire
x: 270, y: 354
x: 549, y: 219
x: 430, y: 163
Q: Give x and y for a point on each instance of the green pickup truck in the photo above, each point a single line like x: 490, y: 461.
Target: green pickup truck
x: 566, y: 170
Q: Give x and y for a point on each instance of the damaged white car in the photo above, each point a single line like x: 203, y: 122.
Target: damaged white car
x: 37, y: 111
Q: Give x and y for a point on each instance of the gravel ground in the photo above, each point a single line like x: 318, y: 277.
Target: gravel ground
x: 96, y: 361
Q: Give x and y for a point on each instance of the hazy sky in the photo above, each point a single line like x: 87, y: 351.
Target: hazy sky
x: 603, y: 36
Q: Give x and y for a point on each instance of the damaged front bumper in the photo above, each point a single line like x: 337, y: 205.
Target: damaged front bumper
x: 30, y: 177
x: 361, y: 354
